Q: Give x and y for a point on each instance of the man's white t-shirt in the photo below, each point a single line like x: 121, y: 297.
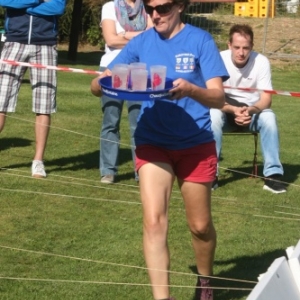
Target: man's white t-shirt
x: 109, y: 13
x: 255, y: 74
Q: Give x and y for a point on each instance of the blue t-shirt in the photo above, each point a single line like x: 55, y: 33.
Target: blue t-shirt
x: 192, y: 55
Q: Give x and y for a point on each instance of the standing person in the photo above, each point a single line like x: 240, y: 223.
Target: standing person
x: 31, y: 36
x: 174, y: 138
x: 121, y: 20
x: 251, y: 110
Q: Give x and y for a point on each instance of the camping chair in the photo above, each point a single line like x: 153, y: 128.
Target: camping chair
x: 255, y: 135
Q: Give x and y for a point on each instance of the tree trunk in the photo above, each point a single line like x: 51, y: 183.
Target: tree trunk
x: 75, y: 29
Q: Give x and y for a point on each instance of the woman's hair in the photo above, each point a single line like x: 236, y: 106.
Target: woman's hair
x: 183, y: 3
x: 242, y: 29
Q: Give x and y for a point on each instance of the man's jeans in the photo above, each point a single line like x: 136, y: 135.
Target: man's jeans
x: 110, y: 132
x: 265, y: 124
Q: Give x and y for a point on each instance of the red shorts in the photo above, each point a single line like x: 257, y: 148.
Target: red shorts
x: 196, y: 164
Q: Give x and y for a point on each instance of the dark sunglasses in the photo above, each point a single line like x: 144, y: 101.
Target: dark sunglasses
x: 160, y: 9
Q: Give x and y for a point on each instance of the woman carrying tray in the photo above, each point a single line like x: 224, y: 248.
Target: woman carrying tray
x: 120, y: 21
x: 174, y: 138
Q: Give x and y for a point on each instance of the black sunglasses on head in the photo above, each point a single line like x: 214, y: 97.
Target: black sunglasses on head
x: 160, y: 9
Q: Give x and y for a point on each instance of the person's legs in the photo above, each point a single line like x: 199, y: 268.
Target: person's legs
x: 10, y: 78
x: 2, y: 120
x: 196, y: 170
x: 198, y: 211
x: 42, y: 128
x: 44, y: 84
x: 156, y: 181
x: 218, y: 120
x: 197, y: 204
x: 265, y: 123
x: 110, y: 135
x: 133, y: 113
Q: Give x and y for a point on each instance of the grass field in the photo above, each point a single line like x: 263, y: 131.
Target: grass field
x: 69, y: 237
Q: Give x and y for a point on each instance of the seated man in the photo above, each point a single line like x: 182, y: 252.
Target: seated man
x: 249, y: 109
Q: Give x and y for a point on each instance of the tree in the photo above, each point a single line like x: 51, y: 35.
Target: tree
x: 75, y: 29
x: 81, y: 20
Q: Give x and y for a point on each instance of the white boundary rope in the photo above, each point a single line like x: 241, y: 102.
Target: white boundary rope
x: 120, y: 265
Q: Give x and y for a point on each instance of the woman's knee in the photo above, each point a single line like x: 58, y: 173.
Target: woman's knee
x: 156, y: 227
x: 202, y: 229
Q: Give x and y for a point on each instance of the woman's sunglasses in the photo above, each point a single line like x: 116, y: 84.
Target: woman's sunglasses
x: 160, y: 9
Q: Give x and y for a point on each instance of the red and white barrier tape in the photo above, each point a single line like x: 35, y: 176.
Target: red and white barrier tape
x: 67, y: 69
x: 273, y: 92
x: 31, y: 65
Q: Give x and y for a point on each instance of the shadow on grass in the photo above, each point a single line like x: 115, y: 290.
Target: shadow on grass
x: 83, y: 58
x: 86, y: 161
x: 242, y: 268
x: 234, y: 174
x: 7, y: 143
x: 89, y: 161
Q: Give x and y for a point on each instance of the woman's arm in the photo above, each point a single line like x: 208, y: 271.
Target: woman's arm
x: 112, y: 39
x: 118, y: 41
x: 212, y: 96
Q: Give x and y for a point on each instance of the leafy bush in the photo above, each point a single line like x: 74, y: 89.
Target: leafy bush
x: 89, y: 23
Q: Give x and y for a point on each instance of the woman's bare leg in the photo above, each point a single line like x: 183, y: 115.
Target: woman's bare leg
x: 156, y: 181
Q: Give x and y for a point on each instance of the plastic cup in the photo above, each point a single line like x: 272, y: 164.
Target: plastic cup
x: 119, y: 77
x: 139, y: 79
x: 158, y: 77
x: 137, y: 65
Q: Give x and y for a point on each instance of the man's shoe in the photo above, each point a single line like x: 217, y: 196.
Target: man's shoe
x: 107, y: 179
x: 215, y: 184
x: 274, y: 185
x: 203, y: 290
x: 38, y: 169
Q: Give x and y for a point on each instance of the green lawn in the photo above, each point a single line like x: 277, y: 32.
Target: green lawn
x: 69, y: 237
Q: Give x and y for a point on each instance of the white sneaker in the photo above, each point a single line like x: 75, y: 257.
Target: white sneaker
x: 38, y: 169
x: 107, y: 179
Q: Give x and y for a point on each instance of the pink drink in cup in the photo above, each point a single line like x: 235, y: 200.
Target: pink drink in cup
x: 158, y: 77
x: 119, y: 77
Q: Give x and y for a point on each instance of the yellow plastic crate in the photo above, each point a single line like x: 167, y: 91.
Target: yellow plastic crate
x: 263, y: 8
x: 253, y: 2
x: 240, y: 9
x: 252, y: 9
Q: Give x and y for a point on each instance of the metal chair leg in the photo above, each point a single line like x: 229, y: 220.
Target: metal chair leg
x: 254, y: 168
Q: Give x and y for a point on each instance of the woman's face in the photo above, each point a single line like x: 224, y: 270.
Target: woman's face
x: 165, y: 16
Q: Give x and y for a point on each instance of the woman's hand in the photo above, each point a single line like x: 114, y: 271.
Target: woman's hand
x: 180, y: 89
x: 95, y: 86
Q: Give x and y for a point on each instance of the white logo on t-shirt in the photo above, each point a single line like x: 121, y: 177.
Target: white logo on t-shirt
x: 185, y: 63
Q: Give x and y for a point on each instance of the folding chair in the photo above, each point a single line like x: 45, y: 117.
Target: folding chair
x: 255, y: 135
